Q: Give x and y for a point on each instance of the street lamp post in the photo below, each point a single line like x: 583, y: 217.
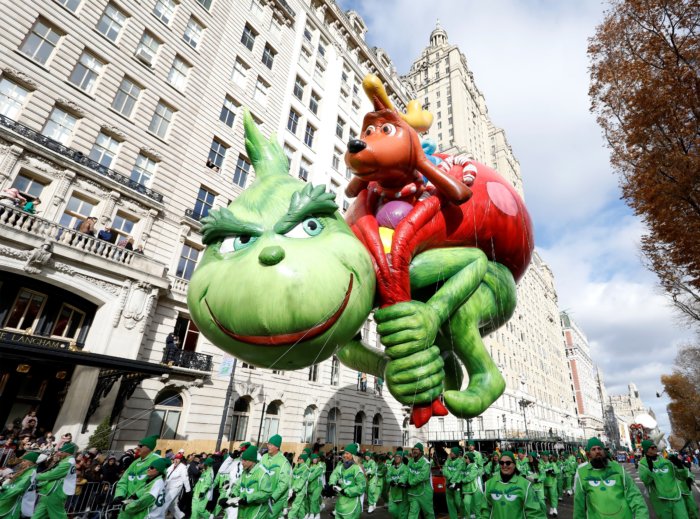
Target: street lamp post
x: 524, y: 402
x: 227, y: 402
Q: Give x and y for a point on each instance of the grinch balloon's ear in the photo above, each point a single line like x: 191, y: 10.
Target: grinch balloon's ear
x: 267, y: 156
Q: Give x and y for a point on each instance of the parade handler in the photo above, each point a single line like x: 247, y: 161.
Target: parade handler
x: 397, y: 478
x: 203, y: 491
x: 510, y: 496
x: 373, y: 486
x: 452, y: 470
x: 420, y: 490
x: 551, y: 470
x: 134, y: 478
x: 348, y: 483
x: 605, y: 489
x: 251, y: 494
x: 150, y: 497
x: 278, y: 470
x: 659, y: 477
x: 300, y: 481
x: 685, y: 481
x: 18, y: 495
x: 56, y: 484
x: 317, y: 469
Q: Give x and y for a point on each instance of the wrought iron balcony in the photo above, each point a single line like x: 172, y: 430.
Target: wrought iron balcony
x: 187, y: 359
x: 78, y: 157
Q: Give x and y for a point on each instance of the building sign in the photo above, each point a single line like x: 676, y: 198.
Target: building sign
x: 226, y: 367
x: 21, y: 339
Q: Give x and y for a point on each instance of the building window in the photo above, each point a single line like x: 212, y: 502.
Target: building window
x: 309, y: 425
x: 335, y: 371
x: 126, y: 97
x: 177, y: 76
x: 59, y: 126
x: 71, y: 5
x: 228, y: 112
x: 160, y: 122
x: 248, y: 37
x: 68, y: 322
x: 193, y: 33
x: 86, y: 72
x: 204, y: 203
x: 28, y: 185
x: 240, y: 73
x: 336, y: 160
x: 357, y: 427
x: 293, y: 121
x: 240, y: 176
x: 313, y: 102
x: 304, y: 170
x: 260, y: 92
x: 205, y: 3
x: 289, y: 153
x: 217, y: 154
x: 268, y: 56
x: 166, y: 414
x: 144, y: 169
x: 188, y: 261
x: 187, y: 332
x: 339, y: 128
x: 123, y: 225
x: 111, y: 23
x: 313, y: 373
x: 24, y: 314
x: 271, y: 424
x: 40, y: 42
x: 299, y: 88
x: 147, y: 49
x: 307, y: 34
x: 332, y: 425
x: 12, y: 98
x: 104, y: 150
x: 321, y: 49
x: 164, y: 10
x: 239, y: 420
x: 309, y: 135
x: 377, y: 429
x: 77, y: 210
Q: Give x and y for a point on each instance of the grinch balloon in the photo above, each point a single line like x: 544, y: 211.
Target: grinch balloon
x: 285, y: 282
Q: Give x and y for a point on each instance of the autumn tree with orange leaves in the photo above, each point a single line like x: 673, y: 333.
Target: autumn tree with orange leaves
x: 683, y: 388
x: 645, y: 92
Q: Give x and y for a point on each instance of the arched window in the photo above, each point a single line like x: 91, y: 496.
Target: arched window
x: 332, y: 426
x: 377, y: 429
x: 307, y: 435
x: 357, y: 429
x: 271, y: 425
x: 165, y: 417
x: 239, y: 420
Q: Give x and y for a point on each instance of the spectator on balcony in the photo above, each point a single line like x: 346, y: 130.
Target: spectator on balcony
x: 139, y: 250
x: 30, y: 206
x: 87, y: 226
x: 107, y: 234
x: 126, y: 243
x: 172, y: 346
x: 12, y: 197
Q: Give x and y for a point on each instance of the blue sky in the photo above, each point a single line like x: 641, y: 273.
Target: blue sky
x: 529, y: 60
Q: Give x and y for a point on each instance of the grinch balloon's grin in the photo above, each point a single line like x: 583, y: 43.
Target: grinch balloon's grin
x: 291, y: 338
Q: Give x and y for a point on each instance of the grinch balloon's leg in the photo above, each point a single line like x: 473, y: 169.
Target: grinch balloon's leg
x: 490, y: 307
x: 362, y: 358
x: 415, y: 374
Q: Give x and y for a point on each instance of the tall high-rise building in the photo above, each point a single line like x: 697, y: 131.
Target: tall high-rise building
x: 528, y: 349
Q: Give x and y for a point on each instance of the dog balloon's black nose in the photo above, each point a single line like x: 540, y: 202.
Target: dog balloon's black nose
x: 356, y: 145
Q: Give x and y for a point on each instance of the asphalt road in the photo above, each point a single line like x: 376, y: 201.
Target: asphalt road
x: 566, y: 505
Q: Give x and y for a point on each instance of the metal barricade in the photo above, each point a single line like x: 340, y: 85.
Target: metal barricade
x: 94, y: 501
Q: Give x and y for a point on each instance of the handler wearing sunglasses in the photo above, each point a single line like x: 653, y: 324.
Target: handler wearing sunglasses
x: 511, y: 496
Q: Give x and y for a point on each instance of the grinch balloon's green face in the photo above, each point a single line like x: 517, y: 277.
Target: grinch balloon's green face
x: 283, y: 281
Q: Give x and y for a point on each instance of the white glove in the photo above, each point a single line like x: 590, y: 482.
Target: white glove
x: 337, y: 488
x: 233, y: 501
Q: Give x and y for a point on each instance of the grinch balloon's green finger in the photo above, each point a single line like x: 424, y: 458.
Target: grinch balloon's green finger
x: 404, y: 349
x: 425, y: 397
x: 404, y: 377
x: 397, y: 325
x: 429, y: 355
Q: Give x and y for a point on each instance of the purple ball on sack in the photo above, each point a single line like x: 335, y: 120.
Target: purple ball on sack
x: 391, y: 213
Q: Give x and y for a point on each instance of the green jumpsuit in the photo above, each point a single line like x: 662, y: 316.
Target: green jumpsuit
x: 300, y: 480
x: 397, y: 480
x: 255, y: 485
x: 685, y: 481
x: 134, y: 478
x: 316, y: 472
x: 373, y: 489
x: 452, y: 470
x: 510, y: 500
x: 381, y: 478
x: 52, y: 499
x: 201, y: 494
x: 420, y: 490
x: 470, y: 488
x: 569, y: 471
x: 551, y: 470
x: 279, y: 471
x: 608, y: 492
x: 664, y: 491
x: 151, y: 498
x: 523, y: 465
x: 536, y: 480
x: 560, y: 478
x: 11, y: 494
x: 352, y: 481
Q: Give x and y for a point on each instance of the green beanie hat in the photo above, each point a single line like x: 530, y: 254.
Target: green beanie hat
x: 31, y: 456
x: 149, y: 441
x: 509, y: 454
x: 471, y: 456
x: 276, y: 440
x: 69, y: 448
x: 352, y: 448
x: 534, y: 455
x: 307, y: 450
x: 545, y: 453
x: 521, y: 451
x: 418, y: 446
x: 398, y: 453
x: 456, y: 450
x: 304, y: 457
x: 208, y: 462
x: 244, y: 445
x: 250, y: 454
x: 471, y: 442
x: 645, y: 446
x: 161, y: 465
x: 594, y: 442
x: 314, y: 456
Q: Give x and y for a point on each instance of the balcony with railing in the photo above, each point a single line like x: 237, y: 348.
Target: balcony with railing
x: 188, y: 360
x: 78, y: 157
